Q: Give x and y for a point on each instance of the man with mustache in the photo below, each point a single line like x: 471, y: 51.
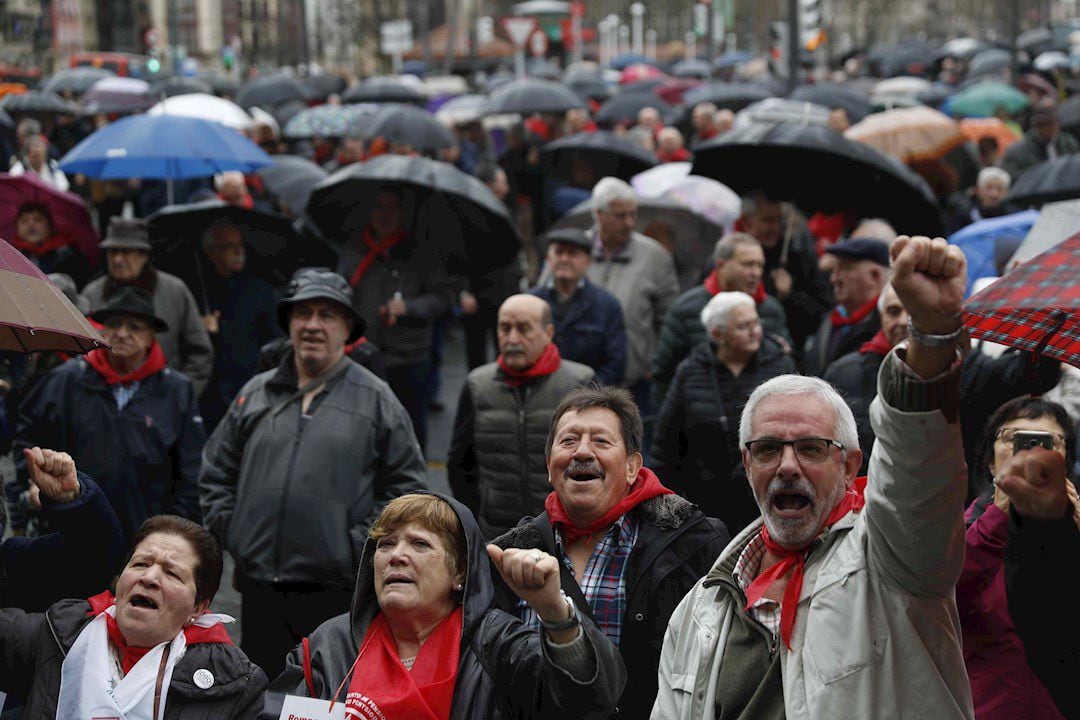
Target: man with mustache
x: 839, y: 602
x: 503, y: 415
x: 629, y: 548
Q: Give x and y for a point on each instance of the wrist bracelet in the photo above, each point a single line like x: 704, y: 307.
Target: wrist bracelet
x: 935, y: 341
x: 569, y: 624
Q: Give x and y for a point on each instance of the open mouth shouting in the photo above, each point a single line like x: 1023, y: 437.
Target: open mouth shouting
x: 584, y: 471
x: 142, y: 601
x: 790, y: 501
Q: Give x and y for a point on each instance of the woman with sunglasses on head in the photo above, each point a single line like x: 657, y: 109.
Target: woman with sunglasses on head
x: 1022, y: 455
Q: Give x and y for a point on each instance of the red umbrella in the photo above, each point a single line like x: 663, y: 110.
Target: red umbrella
x: 638, y: 72
x: 34, y: 314
x: 70, y: 218
x: 1036, y: 307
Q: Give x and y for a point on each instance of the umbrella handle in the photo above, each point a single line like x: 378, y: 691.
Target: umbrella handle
x: 1058, y: 319
x: 204, y: 297
x: 789, y: 231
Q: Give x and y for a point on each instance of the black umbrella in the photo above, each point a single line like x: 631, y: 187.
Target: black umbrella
x: 270, y: 90
x: 692, y: 69
x: 173, y: 86
x: 274, y: 249
x: 221, y: 84
x: 409, y: 125
x: 439, y: 194
x: 906, y: 58
x: 525, y: 97
x: 819, y: 169
x: 624, y: 108
x: 383, y: 90
x: 496, y: 81
x: 6, y: 121
x: 1069, y: 115
x: 75, y: 80
x: 604, y: 152
x: 591, y: 87
x: 732, y: 96
x: 38, y: 102
x: 320, y: 87
x: 1049, y: 181
x: 286, y: 111
x: 832, y: 96
x: 290, y: 179
x: 989, y: 62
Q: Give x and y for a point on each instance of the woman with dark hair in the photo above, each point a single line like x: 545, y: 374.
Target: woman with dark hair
x: 36, y: 238
x: 422, y: 640
x: 152, y: 652
x: 1003, y: 683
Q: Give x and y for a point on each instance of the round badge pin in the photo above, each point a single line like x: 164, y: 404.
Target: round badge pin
x: 203, y: 678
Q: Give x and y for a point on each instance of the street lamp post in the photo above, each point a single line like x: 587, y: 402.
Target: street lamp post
x: 637, y: 11
x: 650, y: 43
x: 624, y: 39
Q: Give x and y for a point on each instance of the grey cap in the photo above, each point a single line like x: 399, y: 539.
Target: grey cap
x: 319, y: 283
x: 570, y: 236
x: 127, y: 234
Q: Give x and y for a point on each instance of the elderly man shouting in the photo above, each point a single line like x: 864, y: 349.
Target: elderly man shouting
x: 836, y: 603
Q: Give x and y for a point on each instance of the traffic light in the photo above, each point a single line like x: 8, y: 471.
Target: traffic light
x: 778, y: 48
x: 811, y: 35
x: 153, y: 65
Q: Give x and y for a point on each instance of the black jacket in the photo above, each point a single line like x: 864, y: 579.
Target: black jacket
x: 503, y: 670
x: 811, y: 294
x: 33, y: 647
x: 676, y: 546
x: 696, y: 442
x: 816, y: 356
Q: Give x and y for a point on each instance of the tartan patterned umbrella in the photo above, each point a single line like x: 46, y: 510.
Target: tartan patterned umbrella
x: 1036, y: 307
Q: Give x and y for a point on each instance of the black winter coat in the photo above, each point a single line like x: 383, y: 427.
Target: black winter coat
x: 676, y: 546
x: 816, y: 356
x: 33, y: 647
x: 503, y: 670
x: 696, y: 442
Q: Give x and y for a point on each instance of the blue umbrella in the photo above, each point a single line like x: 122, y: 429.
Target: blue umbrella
x: 977, y: 241
x: 167, y: 147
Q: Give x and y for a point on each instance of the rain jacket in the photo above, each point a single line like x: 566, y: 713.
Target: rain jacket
x: 33, y: 647
x: 589, y: 329
x: 291, y: 499
x: 504, y: 670
x: 877, y: 633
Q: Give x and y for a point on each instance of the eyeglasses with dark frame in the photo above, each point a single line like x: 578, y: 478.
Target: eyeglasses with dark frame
x: 812, y: 450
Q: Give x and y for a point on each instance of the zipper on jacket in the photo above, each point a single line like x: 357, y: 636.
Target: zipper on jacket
x: 523, y: 464
x: 282, y: 508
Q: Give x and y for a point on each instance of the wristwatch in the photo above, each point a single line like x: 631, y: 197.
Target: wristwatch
x: 568, y: 624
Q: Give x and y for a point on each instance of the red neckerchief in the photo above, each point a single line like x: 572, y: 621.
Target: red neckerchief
x: 645, y: 487
x: 854, y: 318
x: 877, y: 345
x: 352, y: 346
x: 99, y: 360
x: 42, y: 248
x: 794, y: 561
x: 548, y: 362
x: 709, y: 134
x: 129, y: 654
x: 384, y: 688
x: 376, y: 249
x: 248, y: 202
x: 538, y: 128
x: 680, y: 155
x: 712, y: 284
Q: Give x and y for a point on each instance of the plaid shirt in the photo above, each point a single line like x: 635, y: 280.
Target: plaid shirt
x: 747, y: 568
x: 604, y: 581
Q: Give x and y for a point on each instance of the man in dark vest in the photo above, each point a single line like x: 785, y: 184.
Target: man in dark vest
x: 496, y: 456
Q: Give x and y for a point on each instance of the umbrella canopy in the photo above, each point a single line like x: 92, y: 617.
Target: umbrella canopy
x: 118, y: 95
x: 6, y: 121
x: 603, y: 152
x: 902, y: 85
x: 383, y: 90
x: 989, y: 62
x: 962, y: 48
x: 35, y: 315
x: 900, y: 59
x: 462, y: 109
x: 1036, y: 307
x: 714, y: 201
x: 270, y: 90
x: 624, y: 108
x: 591, y: 87
x: 341, y: 204
x: 221, y: 84
x: 290, y: 179
x: 75, y: 80
x: 1052, y: 60
x: 859, y: 177
x: 974, y: 129
x: 1049, y: 181
x: 977, y: 241
x: 673, y: 90
x: 855, y: 104
x: 625, y: 60
x: 274, y: 249
x: 204, y: 107
x: 330, y: 121
x: 178, y: 85
x: 1055, y: 223
x: 67, y: 211
x: 732, y: 96
x: 322, y: 86
x: 409, y: 125
x: 38, y: 102
x: 525, y: 97
x: 779, y: 110
x: 909, y: 134
x: 984, y: 98
x: 1069, y: 115
x: 692, y: 69
x: 163, y: 146
x: 690, y: 235
x: 638, y: 72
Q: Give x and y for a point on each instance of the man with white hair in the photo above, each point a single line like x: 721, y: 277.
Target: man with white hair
x: 703, y: 118
x: 638, y: 272
x: 839, y: 601
x: 669, y: 146
x: 985, y: 200
x: 231, y: 188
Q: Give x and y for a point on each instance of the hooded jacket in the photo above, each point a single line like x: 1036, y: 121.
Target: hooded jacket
x: 33, y: 647
x: 504, y: 670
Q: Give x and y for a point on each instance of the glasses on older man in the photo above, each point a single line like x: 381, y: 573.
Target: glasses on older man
x: 812, y: 450
x: 1007, y: 435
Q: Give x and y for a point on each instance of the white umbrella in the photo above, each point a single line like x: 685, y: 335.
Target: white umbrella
x: 904, y: 85
x: 205, y: 107
x: 1057, y: 222
x: 709, y: 198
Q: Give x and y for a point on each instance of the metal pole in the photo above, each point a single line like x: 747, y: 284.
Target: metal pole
x: 637, y: 10
x: 650, y: 43
x: 1014, y: 32
x: 794, y: 45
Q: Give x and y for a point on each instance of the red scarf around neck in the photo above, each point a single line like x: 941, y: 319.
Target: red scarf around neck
x: 376, y: 249
x: 383, y: 688
x: 130, y: 654
x: 42, y: 248
x: 712, y: 284
x: 856, y: 317
x: 877, y: 345
x: 645, y: 487
x: 99, y: 360
x: 794, y: 561
x: 548, y: 362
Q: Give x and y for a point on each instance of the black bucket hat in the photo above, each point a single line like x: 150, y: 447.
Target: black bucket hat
x: 319, y: 284
x: 127, y: 234
x: 130, y: 301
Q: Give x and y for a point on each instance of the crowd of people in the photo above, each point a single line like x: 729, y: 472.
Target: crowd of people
x: 790, y: 488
